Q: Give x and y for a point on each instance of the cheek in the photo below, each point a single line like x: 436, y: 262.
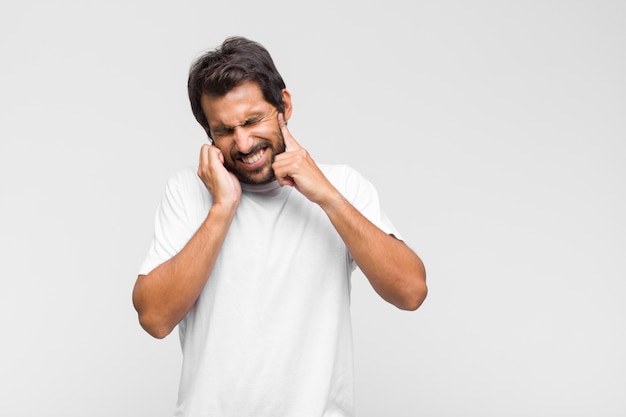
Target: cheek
x: 276, y: 137
x: 269, y: 135
x: 279, y: 143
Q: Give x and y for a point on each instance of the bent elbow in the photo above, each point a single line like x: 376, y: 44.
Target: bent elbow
x: 154, y: 327
x: 416, y: 289
x: 151, y: 320
x: 416, y: 299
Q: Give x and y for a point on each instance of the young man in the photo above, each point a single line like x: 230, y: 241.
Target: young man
x: 253, y: 251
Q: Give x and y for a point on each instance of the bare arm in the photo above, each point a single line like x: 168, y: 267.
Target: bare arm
x: 164, y: 296
x: 393, y: 269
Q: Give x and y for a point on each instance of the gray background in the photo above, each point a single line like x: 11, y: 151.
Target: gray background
x: 494, y: 131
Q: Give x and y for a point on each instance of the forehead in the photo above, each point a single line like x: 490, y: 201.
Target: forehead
x: 235, y: 106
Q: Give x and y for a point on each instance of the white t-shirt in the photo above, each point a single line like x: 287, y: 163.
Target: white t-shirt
x: 270, y: 334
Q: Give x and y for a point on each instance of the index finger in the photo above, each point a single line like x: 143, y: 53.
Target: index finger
x: 209, y: 153
x: 290, y: 142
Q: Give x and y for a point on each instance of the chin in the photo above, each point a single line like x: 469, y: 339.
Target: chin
x: 263, y: 175
x: 255, y: 181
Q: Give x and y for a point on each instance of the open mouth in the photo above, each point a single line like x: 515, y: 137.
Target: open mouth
x: 253, y: 157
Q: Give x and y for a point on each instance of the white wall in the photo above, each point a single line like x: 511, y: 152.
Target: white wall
x: 494, y: 131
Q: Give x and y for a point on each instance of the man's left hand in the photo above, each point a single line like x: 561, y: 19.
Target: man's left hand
x: 296, y: 168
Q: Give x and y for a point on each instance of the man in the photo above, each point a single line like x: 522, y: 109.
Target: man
x: 253, y: 251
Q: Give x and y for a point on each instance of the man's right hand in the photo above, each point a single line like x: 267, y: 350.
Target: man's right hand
x: 164, y: 296
x: 222, y: 184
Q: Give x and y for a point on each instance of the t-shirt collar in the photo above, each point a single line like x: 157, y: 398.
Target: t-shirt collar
x: 260, y: 188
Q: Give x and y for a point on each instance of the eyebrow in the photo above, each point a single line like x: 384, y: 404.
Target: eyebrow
x: 258, y: 116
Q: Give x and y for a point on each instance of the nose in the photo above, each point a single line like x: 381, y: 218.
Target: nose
x: 243, y: 140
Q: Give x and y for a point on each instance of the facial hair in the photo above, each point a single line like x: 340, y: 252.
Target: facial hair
x: 249, y: 177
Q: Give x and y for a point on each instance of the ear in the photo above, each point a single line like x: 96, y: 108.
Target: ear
x: 287, y: 104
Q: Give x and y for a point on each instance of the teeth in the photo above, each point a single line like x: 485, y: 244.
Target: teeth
x: 254, y: 157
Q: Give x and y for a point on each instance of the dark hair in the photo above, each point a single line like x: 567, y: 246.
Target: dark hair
x: 236, y: 61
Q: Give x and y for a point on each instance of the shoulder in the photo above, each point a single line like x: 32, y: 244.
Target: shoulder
x: 338, y: 172
x: 185, y: 179
x: 186, y: 184
x: 347, y: 180
x: 184, y: 176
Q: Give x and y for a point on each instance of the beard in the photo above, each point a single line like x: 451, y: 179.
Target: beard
x: 263, y: 174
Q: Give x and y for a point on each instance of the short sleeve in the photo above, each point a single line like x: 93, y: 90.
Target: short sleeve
x: 361, y: 194
x: 172, y: 226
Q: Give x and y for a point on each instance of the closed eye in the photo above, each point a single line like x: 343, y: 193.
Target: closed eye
x: 222, y: 131
x: 252, y: 121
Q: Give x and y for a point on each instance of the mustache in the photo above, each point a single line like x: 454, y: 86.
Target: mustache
x: 235, y: 154
x: 257, y: 146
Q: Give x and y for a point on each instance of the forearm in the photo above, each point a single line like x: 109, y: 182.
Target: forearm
x: 395, y: 272
x: 164, y: 296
